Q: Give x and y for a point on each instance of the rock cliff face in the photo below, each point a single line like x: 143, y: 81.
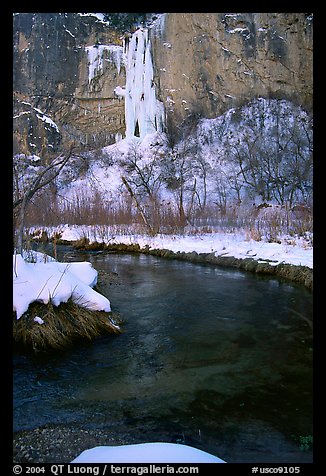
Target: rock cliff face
x: 209, y: 62
x: 67, y: 68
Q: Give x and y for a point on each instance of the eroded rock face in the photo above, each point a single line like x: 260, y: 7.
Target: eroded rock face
x: 67, y: 67
x: 209, y: 62
x: 57, y: 71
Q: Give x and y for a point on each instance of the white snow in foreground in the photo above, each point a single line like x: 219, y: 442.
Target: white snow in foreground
x: 55, y: 282
x: 146, y: 453
x: 291, y: 250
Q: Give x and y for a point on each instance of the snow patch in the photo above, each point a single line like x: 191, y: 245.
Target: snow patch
x: 48, y: 120
x: 39, y: 114
x: 55, y: 282
x: 98, y: 16
x: 119, y: 91
x: 39, y: 320
x: 146, y: 453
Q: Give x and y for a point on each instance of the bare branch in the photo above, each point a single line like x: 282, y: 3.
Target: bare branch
x: 41, y: 180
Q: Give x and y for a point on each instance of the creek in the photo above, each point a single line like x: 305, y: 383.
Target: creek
x: 216, y: 358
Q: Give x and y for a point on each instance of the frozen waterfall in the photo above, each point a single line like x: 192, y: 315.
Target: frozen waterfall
x: 144, y: 113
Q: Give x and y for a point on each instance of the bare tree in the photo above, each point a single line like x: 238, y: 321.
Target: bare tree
x: 184, y: 169
x: 138, y: 205
x: 24, y: 193
x: 143, y: 180
x: 177, y: 174
x: 274, y: 151
x: 143, y: 173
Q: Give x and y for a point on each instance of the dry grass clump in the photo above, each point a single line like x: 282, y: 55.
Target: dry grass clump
x: 62, y: 325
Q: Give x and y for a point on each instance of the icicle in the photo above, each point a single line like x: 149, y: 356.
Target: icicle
x: 95, y: 58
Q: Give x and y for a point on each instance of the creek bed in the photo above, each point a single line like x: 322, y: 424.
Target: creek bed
x: 216, y: 358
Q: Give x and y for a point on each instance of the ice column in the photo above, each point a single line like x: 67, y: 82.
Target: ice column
x: 144, y: 113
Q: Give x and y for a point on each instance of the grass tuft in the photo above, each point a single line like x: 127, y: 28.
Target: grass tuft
x: 62, y: 325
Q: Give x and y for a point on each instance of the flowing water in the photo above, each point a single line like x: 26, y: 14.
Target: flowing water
x: 212, y: 357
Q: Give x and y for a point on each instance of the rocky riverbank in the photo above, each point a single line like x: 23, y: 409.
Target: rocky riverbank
x: 62, y: 443
x: 57, y: 444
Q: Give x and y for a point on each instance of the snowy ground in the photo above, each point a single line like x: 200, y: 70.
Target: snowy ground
x: 48, y: 280
x: 146, y: 453
x: 291, y: 250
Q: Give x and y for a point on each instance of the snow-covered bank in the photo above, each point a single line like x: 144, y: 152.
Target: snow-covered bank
x: 291, y: 250
x: 228, y: 245
x: 54, y: 303
x: 55, y: 282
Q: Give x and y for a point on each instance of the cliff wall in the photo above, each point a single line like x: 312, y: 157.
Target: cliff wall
x: 209, y: 62
x: 68, y: 66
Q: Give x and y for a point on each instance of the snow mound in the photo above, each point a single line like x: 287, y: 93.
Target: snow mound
x: 146, y: 453
x: 55, y: 282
